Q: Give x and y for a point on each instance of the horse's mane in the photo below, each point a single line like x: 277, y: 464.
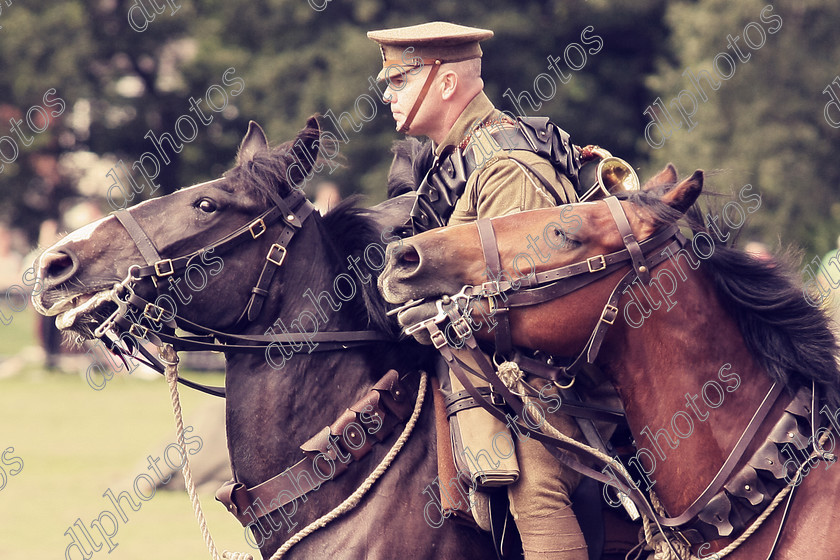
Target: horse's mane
x: 347, y: 229
x: 264, y: 175
x: 791, y: 339
x: 351, y: 230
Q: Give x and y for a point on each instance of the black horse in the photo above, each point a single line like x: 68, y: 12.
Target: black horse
x: 325, y: 280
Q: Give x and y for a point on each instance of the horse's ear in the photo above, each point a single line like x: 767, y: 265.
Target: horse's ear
x: 253, y: 142
x: 685, y: 194
x: 667, y: 176
x: 305, y: 148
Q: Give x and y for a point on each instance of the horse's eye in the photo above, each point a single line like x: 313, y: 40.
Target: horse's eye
x: 206, y: 205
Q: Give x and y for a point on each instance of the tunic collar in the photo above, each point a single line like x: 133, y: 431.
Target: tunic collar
x: 477, y: 111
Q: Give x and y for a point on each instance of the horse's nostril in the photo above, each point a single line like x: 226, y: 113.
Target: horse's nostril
x: 57, y: 267
x: 408, y: 256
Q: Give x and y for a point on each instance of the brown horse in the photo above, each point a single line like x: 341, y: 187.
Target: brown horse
x: 248, y: 237
x: 692, y: 353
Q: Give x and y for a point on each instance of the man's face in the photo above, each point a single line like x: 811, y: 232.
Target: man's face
x: 402, y: 91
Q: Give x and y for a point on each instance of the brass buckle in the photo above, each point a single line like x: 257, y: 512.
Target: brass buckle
x: 153, y: 312
x: 496, y: 398
x: 599, y: 259
x: 613, y: 310
x: 253, y: 225
x: 462, y: 328
x: 138, y: 331
x: 491, y: 288
x: 278, y: 249
x: 438, y: 339
x: 161, y: 272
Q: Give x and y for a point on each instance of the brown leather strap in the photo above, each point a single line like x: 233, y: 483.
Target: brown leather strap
x: 386, y: 405
x: 448, y: 474
x: 273, y: 261
x: 637, y: 257
x: 406, y: 126
x: 487, y: 237
x: 141, y: 240
x: 737, y: 453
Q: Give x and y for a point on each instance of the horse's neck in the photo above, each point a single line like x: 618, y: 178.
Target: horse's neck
x: 689, y: 386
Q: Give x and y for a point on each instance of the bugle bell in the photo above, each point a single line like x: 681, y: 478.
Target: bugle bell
x: 613, y: 175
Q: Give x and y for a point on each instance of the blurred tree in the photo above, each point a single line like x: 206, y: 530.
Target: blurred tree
x: 119, y: 83
x: 765, y: 124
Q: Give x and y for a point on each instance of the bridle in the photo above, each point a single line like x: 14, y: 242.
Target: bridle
x: 455, y: 310
x: 540, y: 287
x: 137, y: 318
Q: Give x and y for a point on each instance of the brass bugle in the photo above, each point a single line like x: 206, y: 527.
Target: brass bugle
x: 613, y: 175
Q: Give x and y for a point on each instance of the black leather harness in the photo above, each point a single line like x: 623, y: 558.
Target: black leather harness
x: 445, y: 181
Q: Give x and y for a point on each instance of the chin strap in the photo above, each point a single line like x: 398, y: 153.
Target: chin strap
x: 419, y: 101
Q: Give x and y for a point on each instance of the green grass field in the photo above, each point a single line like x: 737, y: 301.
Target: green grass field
x: 76, y: 443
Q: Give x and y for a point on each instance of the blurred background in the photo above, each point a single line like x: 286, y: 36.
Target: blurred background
x: 84, y: 88
x: 765, y: 125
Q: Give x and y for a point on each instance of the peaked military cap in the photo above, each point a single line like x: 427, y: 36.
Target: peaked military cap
x: 436, y: 42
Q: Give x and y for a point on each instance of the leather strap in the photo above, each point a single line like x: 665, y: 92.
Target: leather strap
x: 273, y: 261
x: 504, y: 342
x: 737, y: 453
x: 637, y: 257
x: 406, y: 126
x: 141, y: 240
x: 387, y: 402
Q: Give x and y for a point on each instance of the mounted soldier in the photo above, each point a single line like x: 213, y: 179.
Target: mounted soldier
x: 486, y: 163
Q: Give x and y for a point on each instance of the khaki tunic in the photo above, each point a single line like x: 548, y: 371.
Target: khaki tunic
x: 499, y: 185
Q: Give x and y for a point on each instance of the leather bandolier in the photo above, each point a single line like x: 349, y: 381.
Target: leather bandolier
x: 444, y: 184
